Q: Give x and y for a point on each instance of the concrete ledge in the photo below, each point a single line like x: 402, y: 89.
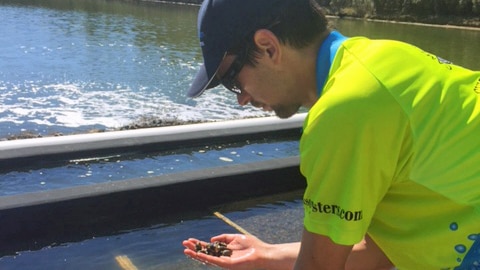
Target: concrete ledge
x: 18, y: 153
x: 35, y: 220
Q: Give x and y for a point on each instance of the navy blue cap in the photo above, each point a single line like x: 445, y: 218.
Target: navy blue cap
x: 222, y: 24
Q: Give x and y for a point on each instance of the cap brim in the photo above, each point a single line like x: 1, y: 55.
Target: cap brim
x: 201, y: 83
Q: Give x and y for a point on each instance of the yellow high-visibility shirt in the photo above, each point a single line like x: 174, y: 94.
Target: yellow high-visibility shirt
x: 392, y: 149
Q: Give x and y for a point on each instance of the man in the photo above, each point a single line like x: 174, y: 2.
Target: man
x: 390, y: 147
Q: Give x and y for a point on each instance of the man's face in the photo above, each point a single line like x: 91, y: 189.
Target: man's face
x: 263, y: 86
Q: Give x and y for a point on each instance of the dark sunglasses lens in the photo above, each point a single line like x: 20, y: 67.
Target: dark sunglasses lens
x: 228, y: 80
x: 228, y: 83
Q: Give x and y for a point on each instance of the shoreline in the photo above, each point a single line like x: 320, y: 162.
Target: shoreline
x: 425, y: 24
x: 456, y: 22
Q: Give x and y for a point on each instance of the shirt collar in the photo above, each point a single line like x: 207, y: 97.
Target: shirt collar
x: 325, y: 57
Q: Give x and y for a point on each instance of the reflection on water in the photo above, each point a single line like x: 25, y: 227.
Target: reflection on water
x: 275, y: 219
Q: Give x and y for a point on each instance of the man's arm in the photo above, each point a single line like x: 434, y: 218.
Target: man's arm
x: 320, y: 252
x: 367, y: 255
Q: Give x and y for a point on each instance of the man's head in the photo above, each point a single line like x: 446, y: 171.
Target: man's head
x: 226, y: 28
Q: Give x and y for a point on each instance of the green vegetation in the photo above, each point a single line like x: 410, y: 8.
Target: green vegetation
x: 458, y: 12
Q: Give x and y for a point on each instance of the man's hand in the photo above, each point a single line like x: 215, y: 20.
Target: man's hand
x: 248, y: 252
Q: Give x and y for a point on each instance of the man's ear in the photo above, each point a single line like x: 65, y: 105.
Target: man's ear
x: 268, y: 44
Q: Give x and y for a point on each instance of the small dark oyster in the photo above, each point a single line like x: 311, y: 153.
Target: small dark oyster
x: 215, y: 249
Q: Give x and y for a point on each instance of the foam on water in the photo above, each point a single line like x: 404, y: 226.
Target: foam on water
x: 76, y: 106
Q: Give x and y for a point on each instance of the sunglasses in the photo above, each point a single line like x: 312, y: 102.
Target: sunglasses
x: 229, y: 79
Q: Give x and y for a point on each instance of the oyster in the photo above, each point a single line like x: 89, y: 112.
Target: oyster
x: 215, y: 249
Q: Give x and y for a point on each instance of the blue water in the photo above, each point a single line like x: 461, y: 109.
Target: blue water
x: 71, y: 67
x: 275, y: 220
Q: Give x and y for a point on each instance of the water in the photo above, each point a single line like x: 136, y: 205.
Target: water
x: 457, y: 45
x: 73, y: 66
x: 96, y: 170
x: 275, y: 219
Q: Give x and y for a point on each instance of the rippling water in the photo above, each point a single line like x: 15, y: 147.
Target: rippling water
x: 78, y: 65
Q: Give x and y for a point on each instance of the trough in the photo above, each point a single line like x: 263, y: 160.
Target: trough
x: 34, y: 220
x: 50, y: 150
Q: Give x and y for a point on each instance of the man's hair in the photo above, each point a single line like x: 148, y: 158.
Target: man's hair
x: 297, y: 24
